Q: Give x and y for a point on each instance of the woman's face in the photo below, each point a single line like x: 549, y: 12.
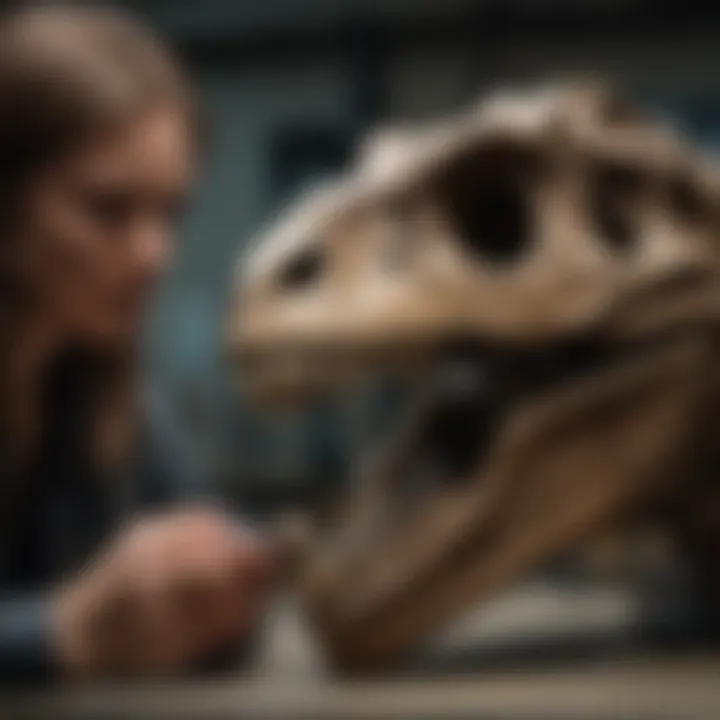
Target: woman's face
x: 98, y: 233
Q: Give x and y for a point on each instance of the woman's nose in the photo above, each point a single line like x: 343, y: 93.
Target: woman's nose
x: 151, y: 249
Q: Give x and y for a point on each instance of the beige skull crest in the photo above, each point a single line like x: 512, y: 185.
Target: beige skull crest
x: 546, y: 263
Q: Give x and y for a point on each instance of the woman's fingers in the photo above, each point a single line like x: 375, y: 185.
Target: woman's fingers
x: 170, y: 591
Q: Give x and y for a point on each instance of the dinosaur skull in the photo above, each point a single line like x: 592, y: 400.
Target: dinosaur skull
x: 546, y: 264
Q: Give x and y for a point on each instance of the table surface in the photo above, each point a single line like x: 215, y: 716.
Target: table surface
x: 474, y: 671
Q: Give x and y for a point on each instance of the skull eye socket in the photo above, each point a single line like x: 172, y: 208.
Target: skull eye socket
x: 614, y: 194
x: 486, y: 197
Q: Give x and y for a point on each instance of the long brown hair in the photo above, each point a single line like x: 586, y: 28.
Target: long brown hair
x: 68, y: 73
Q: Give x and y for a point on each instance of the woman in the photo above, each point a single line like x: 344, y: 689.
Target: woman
x: 98, y: 141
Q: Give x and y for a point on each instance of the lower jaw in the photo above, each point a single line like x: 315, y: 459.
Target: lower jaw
x: 460, y: 544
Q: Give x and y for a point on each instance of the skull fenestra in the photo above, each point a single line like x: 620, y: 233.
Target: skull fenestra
x: 547, y: 263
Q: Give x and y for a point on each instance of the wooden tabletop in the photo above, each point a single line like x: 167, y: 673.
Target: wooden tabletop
x: 288, y: 679
x: 640, y: 690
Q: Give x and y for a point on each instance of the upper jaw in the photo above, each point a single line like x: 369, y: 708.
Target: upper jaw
x: 297, y: 373
x: 294, y: 373
x: 294, y: 362
x: 291, y: 367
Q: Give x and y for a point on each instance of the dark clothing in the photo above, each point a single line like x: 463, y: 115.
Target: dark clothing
x: 57, y: 517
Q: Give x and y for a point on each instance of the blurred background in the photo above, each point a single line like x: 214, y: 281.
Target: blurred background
x: 289, y: 86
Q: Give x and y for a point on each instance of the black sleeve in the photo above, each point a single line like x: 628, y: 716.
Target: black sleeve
x: 162, y: 474
x: 25, y: 649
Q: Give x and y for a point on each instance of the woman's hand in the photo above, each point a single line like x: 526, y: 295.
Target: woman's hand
x: 170, y: 591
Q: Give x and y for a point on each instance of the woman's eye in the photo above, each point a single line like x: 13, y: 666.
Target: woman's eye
x: 110, y: 208
x: 116, y: 207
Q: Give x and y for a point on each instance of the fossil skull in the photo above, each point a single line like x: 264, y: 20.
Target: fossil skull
x: 547, y: 263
